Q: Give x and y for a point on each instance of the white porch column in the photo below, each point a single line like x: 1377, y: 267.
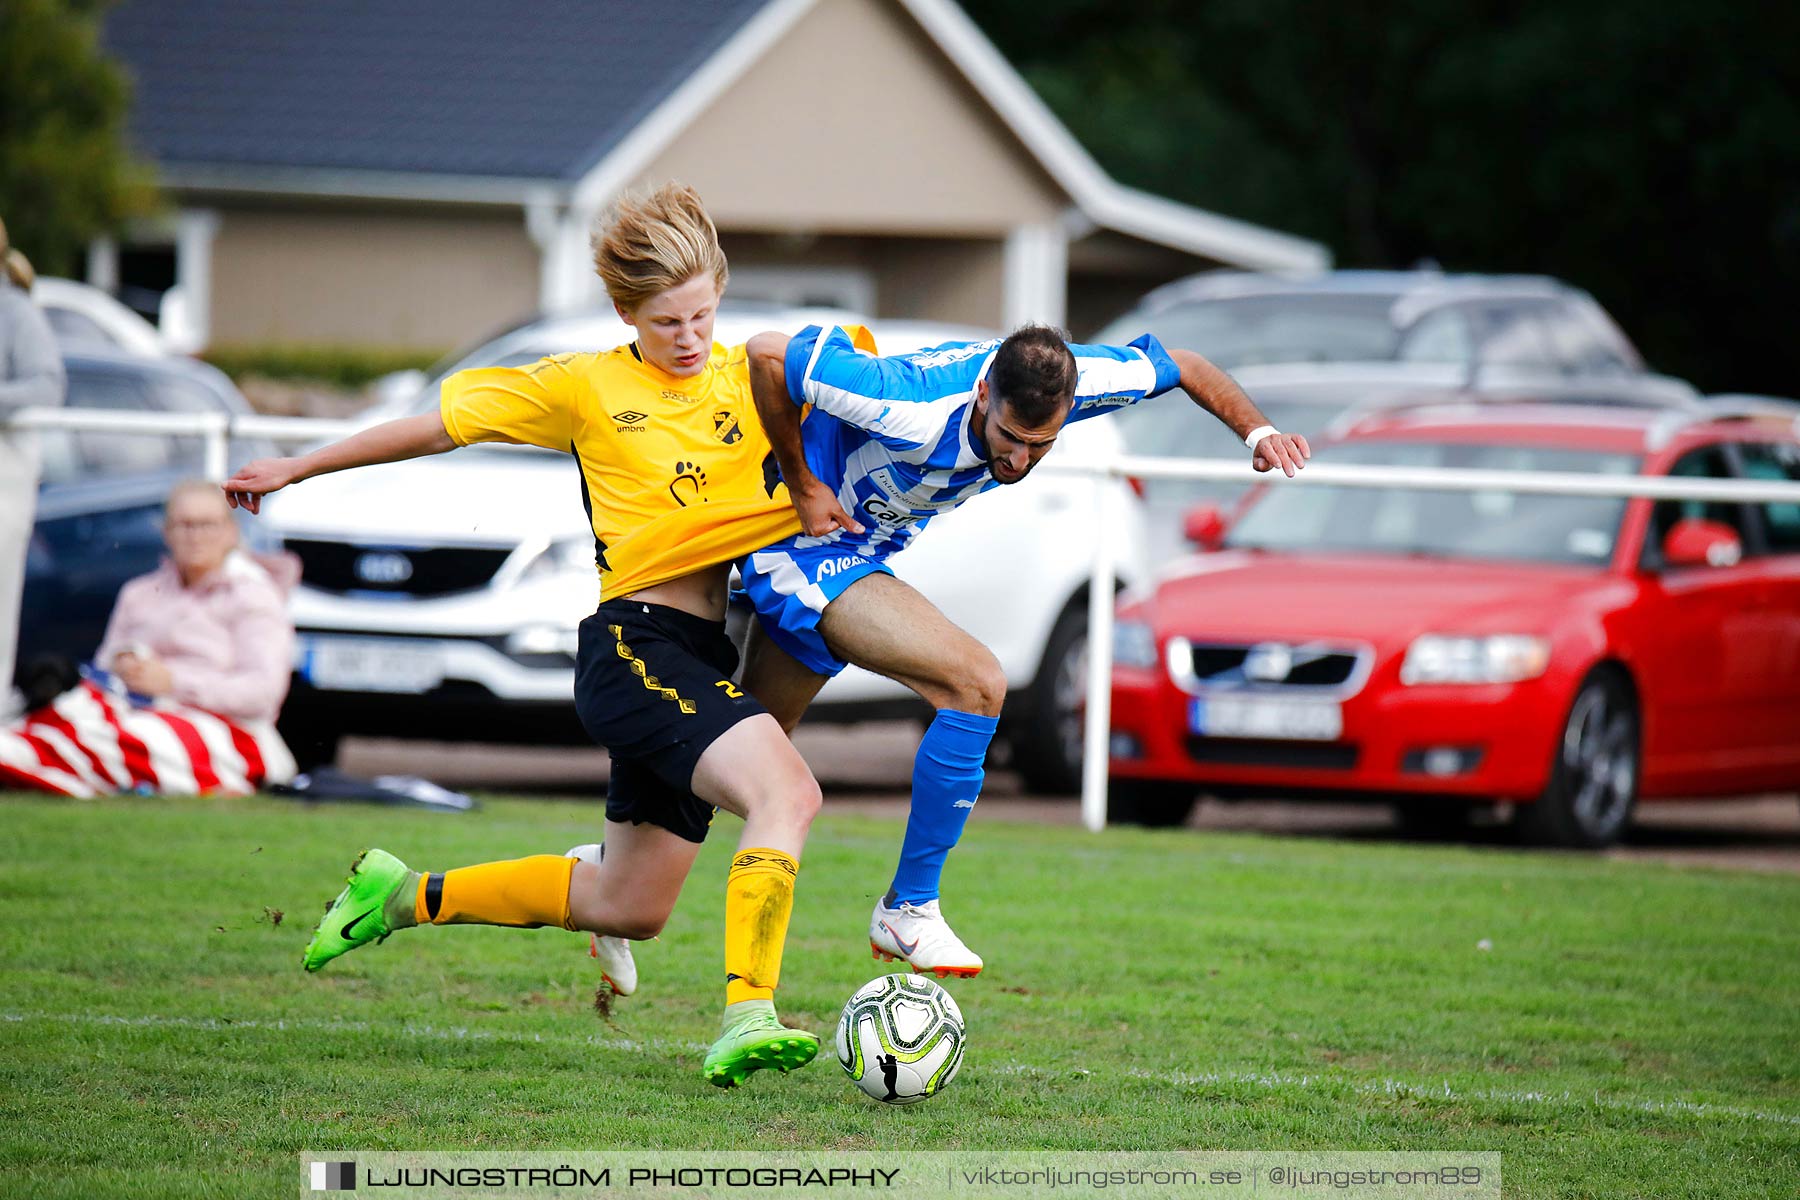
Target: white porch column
x: 582, y: 286
x: 1037, y: 275
x: 566, y: 281
x: 188, y: 327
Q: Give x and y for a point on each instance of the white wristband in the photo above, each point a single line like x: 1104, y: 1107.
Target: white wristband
x: 1258, y: 434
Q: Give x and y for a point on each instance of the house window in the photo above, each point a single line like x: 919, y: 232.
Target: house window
x: 163, y: 271
x: 146, y: 273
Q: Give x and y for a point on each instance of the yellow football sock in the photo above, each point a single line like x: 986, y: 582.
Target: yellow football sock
x: 759, y: 898
x: 522, y: 892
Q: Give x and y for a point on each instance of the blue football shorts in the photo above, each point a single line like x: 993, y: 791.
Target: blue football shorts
x: 790, y: 585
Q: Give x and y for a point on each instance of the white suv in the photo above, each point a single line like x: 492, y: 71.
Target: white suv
x: 439, y: 598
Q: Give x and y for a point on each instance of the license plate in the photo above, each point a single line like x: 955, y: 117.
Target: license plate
x: 370, y: 665
x: 1267, y: 717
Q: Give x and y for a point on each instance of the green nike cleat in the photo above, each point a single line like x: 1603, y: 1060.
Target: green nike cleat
x: 753, y: 1040
x: 355, y: 918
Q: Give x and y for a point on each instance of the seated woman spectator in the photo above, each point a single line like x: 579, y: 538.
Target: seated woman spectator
x: 189, y: 676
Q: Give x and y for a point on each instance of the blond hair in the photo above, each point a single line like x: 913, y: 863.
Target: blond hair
x: 649, y: 242
x: 19, y: 270
x: 16, y: 265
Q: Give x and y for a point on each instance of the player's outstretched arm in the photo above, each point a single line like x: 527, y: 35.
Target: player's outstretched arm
x: 817, y: 504
x: 391, y: 441
x: 1219, y: 394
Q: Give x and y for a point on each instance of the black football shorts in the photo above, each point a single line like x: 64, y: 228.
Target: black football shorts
x: 653, y: 686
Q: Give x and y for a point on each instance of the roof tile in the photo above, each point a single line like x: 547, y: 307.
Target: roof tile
x: 502, y: 88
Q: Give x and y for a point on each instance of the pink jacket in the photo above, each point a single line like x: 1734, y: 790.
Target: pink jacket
x: 227, y: 641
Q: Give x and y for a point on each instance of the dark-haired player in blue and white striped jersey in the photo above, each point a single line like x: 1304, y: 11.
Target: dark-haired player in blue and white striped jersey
x: 889, y: 444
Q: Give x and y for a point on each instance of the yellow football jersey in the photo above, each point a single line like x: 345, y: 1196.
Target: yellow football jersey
x: 677, y: 472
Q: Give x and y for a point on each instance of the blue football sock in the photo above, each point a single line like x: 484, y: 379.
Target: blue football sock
x: 946, y: 782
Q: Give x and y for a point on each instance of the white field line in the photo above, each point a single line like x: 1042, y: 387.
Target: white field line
x: 1264, y: 1080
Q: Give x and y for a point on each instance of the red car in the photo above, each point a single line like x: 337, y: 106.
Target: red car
x: 1438, y: 650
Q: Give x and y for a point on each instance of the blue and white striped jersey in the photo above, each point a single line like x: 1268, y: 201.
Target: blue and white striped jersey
x: 891, y: 435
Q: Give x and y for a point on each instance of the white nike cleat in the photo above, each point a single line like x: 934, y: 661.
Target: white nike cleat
x: 918, y: 935
x: 616, y: 965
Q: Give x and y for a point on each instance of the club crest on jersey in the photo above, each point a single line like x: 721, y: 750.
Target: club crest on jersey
x: 630, y: 421
x: 725, y: 427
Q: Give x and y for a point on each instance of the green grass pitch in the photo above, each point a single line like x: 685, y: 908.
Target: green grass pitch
x: 1632, y: 1029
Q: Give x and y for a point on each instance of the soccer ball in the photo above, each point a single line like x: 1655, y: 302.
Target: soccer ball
x: 901, y: 1038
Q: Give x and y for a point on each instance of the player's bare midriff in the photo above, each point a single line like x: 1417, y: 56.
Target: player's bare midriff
x: 701, y: 592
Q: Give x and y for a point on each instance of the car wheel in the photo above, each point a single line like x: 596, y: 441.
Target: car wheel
x: 1594, y: 779
x: 1153, y: 803
x: 313, y: 741
x: 1047, y: 736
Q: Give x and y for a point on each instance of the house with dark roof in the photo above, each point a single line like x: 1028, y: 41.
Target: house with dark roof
x: 420, y: 172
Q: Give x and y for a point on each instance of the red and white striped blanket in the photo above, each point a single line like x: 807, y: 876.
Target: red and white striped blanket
x: 92, y: 742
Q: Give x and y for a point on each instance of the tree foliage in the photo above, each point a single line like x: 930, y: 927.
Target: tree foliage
x: 65, y: 175
x: 1647, y: 152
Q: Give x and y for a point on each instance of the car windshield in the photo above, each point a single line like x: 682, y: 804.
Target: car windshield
x: 1246, y: 330
x: 1178, y: 430
x: 1169, y: 429
x: 76, y: 328
x: 1496, y: 525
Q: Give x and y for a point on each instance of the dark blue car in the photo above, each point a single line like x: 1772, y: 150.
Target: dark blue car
x: 99, y: 511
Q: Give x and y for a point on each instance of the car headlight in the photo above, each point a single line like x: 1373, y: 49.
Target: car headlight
x: 561, y: 557
x: 1134, y: 644
x: 1498, y: 658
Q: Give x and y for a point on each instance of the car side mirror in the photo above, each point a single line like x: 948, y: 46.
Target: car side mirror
x: 1696, y: 542
x: 1204, y: 525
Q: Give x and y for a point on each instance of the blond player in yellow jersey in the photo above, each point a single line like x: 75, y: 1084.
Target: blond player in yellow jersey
x: 671, y: 456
